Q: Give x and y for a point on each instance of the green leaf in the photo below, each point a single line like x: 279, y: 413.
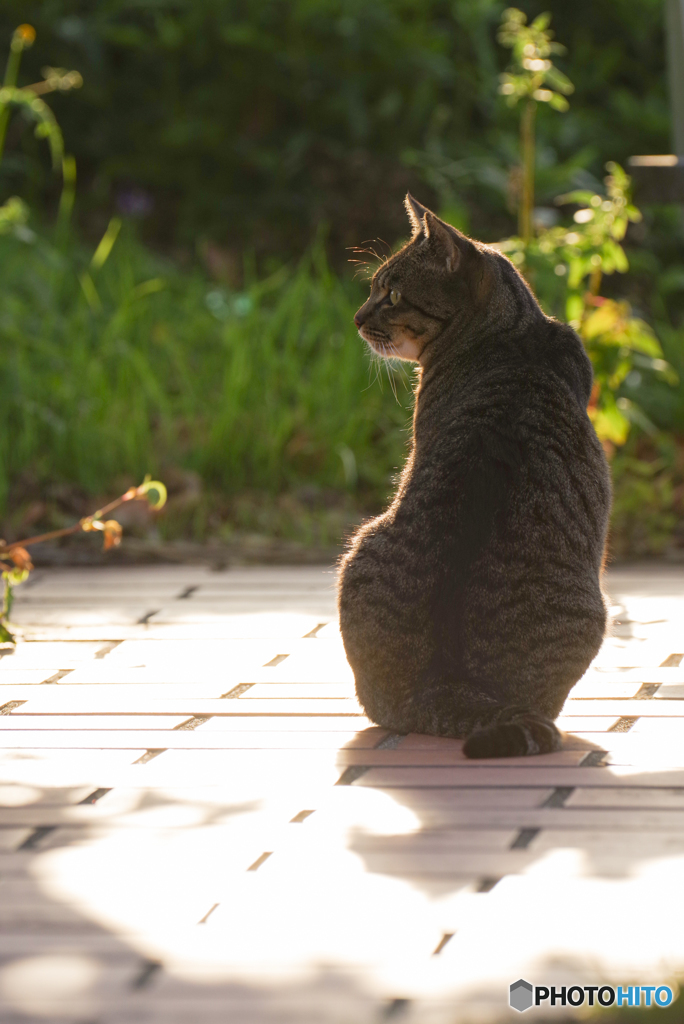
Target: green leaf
x: 574, y: 307
x: 602, y: 320
x: 582, y: 197
x: 559, y: 80
x: 155, y: 284
x: 13, y: 213
x: 15, y: 576
x: 636, y: 415
x: 660, y: 367
x: 578, y: 270
x: 156, y: 486
x: 90, y: 292
x: 558, y: 102
x: 106, y: 244
x: 38, y: 111
x: 5, y: 636
x: 541, y: 22
x: 610, y: 423
x: 641, y: 338
x: 617, y: 254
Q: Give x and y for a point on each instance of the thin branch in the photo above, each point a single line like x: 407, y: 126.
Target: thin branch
x: 131, y: 494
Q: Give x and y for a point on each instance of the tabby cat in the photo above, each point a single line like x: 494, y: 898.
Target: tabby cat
x: 474, y: 603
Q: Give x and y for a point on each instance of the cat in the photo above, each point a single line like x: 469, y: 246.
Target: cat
x: 474, y: 603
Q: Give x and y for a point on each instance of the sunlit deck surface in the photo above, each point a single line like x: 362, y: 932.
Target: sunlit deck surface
x: 199, y: 824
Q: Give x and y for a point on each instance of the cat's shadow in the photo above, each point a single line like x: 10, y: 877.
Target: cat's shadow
x: 452, y: 821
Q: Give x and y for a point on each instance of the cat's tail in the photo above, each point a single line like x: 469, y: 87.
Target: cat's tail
x: 514, y: 731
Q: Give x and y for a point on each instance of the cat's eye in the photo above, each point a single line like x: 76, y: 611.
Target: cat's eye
x: 394, y: 296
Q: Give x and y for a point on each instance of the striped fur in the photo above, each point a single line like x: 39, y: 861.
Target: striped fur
x: 473, y: 604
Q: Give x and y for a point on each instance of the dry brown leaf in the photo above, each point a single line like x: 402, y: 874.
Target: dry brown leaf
x: 112, y: 534
x: 21, y: 558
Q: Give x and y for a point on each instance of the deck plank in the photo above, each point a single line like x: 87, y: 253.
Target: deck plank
x: 325, y: 858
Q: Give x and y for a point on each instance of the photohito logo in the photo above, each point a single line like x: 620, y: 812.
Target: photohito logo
x: 522, y: 995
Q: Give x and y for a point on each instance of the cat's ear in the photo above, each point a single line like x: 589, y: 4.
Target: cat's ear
x: 445, y: 241
x: 416, y: 212
x: 447, y: 245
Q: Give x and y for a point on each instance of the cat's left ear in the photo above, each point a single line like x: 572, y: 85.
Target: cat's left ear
x: 444, y: 241
x: 416, y: 212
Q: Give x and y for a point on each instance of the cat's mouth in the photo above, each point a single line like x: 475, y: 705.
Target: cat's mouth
x: 380, y: 343
x: 401, y: 347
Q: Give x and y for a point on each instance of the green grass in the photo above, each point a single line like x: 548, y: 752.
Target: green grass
x: 265, y: 396
x: 261, y: 408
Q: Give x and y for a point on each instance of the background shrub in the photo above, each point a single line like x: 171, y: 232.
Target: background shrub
x: 249, y: 121
x: 246, y: 145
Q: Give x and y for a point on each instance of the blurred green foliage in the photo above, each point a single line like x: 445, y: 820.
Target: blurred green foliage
x: 567, y: 266
x: 527, y: 80
x: 234, y: 132
x: 252, y: 121
x: 259, y: 392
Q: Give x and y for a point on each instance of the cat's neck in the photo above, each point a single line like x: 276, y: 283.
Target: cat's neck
x: 464, y: 348
x: 457, y: 361
x: 457, y: 355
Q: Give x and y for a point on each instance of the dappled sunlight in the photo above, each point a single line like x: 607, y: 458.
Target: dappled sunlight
x: 369, y: 812
x: 18, y: 796
x: 555, y: 925
x: 215, y: 822
x: 46, y: 986
x: 602, y: 904
x: 302, y: 908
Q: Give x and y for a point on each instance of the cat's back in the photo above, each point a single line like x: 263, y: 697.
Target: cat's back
x: 529, y: 418
x: 522, y: 413
x: 562, y: 461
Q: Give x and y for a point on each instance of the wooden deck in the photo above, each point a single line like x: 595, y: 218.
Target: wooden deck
x: 197, y: 823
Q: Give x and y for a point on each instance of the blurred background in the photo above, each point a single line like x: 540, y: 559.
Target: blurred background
x: 176, y: 291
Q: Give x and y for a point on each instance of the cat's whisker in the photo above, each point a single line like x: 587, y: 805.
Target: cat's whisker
x: 363, y: 269
x: 390, y: 375
x: 370, y: 252
x: 363, y: 265
x: 395, y: 367
x: 370, y: 382
x: 374, y: 369
x: 387, y: 246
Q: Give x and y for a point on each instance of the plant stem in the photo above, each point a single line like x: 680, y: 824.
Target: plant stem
x: 44, y: 536
x: 6, y: 548
x: 66, y: 202
x: 595, y: 281
x: 527, y: 147
x: 9, y: 82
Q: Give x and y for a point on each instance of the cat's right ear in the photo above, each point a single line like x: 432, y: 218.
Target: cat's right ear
x: 416, y: 213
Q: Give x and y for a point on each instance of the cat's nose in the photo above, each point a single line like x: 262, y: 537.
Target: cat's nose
x: 358, y: 319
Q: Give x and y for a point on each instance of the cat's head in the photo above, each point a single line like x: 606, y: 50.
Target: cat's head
x: 439, y: 278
